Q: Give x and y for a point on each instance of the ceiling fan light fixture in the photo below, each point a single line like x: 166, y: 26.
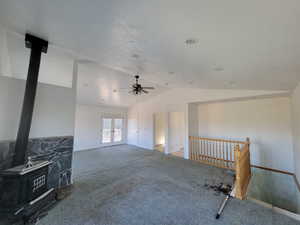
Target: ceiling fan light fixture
x: 138, y: 89
x: 191, y: 41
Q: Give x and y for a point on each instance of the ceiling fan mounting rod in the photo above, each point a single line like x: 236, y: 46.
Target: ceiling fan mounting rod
x: 137, y: 78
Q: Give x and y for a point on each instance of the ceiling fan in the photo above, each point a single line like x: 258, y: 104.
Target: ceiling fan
x: 138, y: 89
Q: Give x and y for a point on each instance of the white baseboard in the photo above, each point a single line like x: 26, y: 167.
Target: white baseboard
x: 98, y: 146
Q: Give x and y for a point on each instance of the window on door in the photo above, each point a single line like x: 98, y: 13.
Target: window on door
x: 118, y: 126
x: 106, y: 130
x: 112, y: 130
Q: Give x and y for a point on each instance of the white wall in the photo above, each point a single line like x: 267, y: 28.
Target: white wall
x: 53, y: 113
x: 267, y: 122
x: 176, y: 131
x: 132, y: 131
x: 140, y: 115
x: 193, y: 119
x: 296, y: 129
x: 296, y: 133
x: 56, y: 66
x: 88, y: 125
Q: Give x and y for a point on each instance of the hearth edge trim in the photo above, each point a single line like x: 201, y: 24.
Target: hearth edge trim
x: 41, y: 196
x: 25, y: 170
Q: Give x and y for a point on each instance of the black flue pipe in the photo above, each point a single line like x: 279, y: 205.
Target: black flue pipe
x: 37, y: 46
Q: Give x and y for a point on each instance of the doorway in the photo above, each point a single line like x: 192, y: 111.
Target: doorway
x: 159, y: 132
x: 112, y: 130
x: 176, y: 133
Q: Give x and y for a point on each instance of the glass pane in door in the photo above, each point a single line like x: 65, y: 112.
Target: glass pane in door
x: 106, y: 130
x: 118, y: 126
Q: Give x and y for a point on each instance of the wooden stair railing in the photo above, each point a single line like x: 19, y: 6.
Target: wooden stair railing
x: 228, y: 154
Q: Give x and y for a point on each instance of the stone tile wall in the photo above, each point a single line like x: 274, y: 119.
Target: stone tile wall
x: 58, y: 150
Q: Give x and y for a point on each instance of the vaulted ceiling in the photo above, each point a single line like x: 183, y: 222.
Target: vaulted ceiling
x: 232, y: 44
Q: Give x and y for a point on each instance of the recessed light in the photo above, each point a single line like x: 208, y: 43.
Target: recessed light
x: 230, y: 84
x: 136, y: 56
x: 218, y: 68
x: 191, y: 41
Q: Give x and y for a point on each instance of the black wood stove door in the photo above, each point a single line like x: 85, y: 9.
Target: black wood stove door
x: 37, y: 183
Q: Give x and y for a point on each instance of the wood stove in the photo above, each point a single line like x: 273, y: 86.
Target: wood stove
x: 24, y: 189
x: 24, y: 186
x: 24, y: 192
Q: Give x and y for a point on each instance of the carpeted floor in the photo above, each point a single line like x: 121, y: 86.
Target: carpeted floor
x: 125, y: 185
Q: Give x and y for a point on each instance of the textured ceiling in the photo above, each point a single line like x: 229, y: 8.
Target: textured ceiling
x: 103, y: 86
x: 232, y: 44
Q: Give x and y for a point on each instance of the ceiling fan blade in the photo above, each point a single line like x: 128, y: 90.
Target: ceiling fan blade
x: 149, y: 88
x: 146, y: 92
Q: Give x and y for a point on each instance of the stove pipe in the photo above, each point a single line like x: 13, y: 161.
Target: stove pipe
x: 37, y: 46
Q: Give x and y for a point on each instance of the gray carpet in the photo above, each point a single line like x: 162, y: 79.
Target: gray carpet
x: 124, y: 185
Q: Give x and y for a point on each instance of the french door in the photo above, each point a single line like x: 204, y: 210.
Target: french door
x: 112, y: 130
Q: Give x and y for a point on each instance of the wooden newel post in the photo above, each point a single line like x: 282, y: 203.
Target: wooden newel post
x: 237, y: 153
x: 243, y: 169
